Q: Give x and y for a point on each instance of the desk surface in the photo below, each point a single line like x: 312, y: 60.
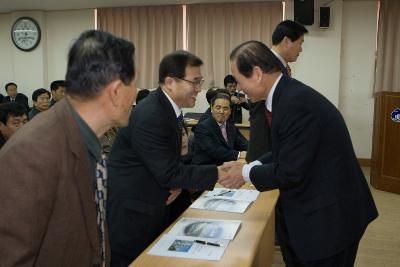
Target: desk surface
x: 243, y: 250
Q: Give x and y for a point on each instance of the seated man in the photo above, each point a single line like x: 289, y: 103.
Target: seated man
x: 57, y: 89
x: 13, y: 95
x: 12, y: 117
x: 40, y: 99
x: 211, y: 93
x: 216, y: 139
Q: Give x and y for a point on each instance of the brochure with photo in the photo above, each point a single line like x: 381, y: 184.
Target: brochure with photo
x: 236, y: 194
x: 206, y: 228
x: 189, y: 247
x: 221, y: 204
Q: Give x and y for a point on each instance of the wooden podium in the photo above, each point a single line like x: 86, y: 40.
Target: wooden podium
x: 385, y: 160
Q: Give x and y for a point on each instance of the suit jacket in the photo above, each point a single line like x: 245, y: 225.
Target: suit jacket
x: 324, y: 197
x: 20, y: 98
x: 260, y: 132
x: 1, y: 98
x: 48, y: 211
x: 210, y: 146
x: 237, y: 114
x: 144, y: 164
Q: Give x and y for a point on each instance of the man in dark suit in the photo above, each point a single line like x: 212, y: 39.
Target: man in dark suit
x: 57, y: 89
x: 145, y: 161
x: 13, y: 95
x: 238, y: 99
x: 287, y: 40
x: 216, y: 140
x: 325, y: 203
x: 52, y: 198
x: 213, y: 91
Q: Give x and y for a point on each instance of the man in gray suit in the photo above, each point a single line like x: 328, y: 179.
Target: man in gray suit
x: 52, y: 198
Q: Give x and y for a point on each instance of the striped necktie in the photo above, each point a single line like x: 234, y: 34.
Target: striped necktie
x: 288, y: 70
x: 180, y: 121
x: 101, y: 198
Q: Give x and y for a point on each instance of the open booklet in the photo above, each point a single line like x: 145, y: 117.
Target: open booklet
x: 223, y: 199
x: 197, y: 238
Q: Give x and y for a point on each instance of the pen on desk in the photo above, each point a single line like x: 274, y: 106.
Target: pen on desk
x: 208, y: 243
x: 222, y: 193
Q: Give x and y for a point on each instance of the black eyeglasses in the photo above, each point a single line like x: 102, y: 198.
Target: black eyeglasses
x: 194, y: 83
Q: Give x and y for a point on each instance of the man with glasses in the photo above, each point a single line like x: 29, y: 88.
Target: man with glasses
x: 145, y: 167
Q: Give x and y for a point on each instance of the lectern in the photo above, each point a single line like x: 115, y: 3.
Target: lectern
x: 385, y: 160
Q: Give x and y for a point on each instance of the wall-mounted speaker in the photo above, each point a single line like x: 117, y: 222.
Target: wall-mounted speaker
x: 324, y: 16
x: 304, y: 11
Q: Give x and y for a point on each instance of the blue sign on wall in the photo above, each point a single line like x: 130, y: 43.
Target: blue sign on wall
x: 395, y: 115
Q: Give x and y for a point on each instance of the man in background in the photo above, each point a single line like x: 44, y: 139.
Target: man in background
x: 145, y: 162
x: 216, y: 140
x: 40, y: 98
x: 12, y: 117
x: 57, y: 89
x: 53, y: 184
x: 238, y: 99
x: 13, y: 95
x: 325, y: 203
x: 287, y: 40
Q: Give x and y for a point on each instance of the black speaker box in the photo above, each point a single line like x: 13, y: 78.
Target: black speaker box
x: 324, y: 16
x: 304, y: 11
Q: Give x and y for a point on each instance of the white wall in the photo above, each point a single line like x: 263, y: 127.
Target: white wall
x: 35, y: 69
x: 357, y: 72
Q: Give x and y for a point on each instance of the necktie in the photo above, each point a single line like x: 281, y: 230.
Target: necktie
x: 223, y: 131
x: 268, y: 117
x: 100, y: 199
x: 288, y: 70
x: 180, y: 122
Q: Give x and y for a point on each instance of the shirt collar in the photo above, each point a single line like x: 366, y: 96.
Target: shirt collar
x: 177, y: 110
x: 280, y: 58
x: 268, y: 103
x: 90, y: 139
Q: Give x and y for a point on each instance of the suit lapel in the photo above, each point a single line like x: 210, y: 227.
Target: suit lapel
x: 82, y: 174
x: 230, y: 130
x: 171, y: 115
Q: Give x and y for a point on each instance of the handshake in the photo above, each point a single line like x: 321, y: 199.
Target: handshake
x: 230, y: 174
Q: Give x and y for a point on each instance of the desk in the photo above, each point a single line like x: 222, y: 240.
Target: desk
x: 253, y: 245
x: 243, y: 127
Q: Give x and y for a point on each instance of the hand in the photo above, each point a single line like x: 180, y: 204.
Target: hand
x: 230, y: 174
x: 174, y: 193
x: 235, y: 100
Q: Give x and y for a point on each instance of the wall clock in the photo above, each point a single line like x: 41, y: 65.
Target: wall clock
x: 25, y: 34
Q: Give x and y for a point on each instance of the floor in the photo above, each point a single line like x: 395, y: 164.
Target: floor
x: 380, y: 245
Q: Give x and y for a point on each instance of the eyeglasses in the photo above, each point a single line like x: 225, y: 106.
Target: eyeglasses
x: 194, y: 83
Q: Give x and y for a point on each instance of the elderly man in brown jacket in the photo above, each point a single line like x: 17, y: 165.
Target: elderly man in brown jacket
x: 52, y: 176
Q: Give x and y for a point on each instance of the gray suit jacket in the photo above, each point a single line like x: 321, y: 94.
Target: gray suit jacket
x: 48, y: 212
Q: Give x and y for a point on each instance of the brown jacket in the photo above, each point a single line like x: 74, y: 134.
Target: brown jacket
x: 48, y: 213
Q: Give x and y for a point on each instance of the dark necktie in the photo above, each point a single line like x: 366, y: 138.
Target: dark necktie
x: 288, y: 70
x: 180, y: 122
x: 268, y: 117
x: 101, y: 198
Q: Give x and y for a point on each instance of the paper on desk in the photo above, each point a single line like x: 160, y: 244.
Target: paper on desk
x: 237, y: 194
x: 221, y: 204
x: 206, y: 228
x: 186, y: 247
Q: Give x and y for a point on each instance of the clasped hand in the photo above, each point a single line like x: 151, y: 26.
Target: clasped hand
x: 230, y: 174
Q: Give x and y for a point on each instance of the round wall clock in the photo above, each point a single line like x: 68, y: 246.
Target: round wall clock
x: 25, y: 34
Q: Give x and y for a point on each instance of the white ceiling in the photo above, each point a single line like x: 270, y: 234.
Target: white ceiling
x: 21, y: 5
